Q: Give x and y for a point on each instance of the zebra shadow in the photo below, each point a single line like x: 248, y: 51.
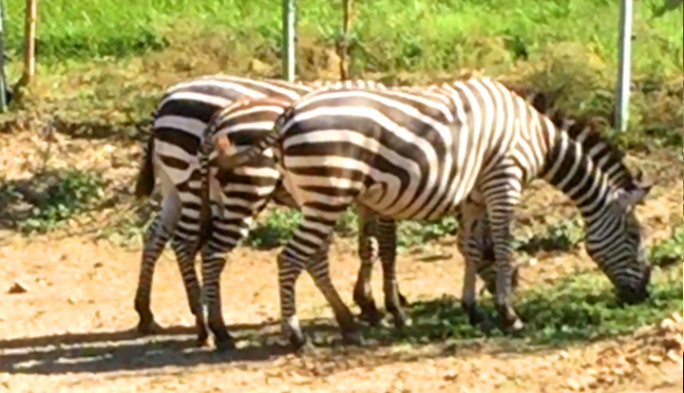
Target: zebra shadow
x: 571, y: 312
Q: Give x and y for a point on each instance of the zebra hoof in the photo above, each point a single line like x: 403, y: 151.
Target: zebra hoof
x: 372, y: 318
x: 354, y: 338
x: 486, y: 326
x: 202, y: 338
x: 147, y: 327
x: 298, y: 341
x: 224, y: 345
x: 402, y: 322
x: 514, y: 328
x: 402, y: 300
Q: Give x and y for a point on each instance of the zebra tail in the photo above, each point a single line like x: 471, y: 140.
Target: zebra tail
x: 144, y: 184
x: 206, y: 219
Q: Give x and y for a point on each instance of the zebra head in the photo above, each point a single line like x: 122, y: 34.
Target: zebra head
x: 616, y: 244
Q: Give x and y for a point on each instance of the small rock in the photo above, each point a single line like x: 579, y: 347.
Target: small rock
x: 564, y: 355
x: 675, y: 356
x: 668, y: 325
x: 17, y: 288
x: 450, y: 376
x: 655, y: 359
x: 98, y: 265
x: 574, y: 385
x: 71, y: 300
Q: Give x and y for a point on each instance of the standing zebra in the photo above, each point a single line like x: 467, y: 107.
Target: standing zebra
x: 413, y: 155
x: 171, y: 156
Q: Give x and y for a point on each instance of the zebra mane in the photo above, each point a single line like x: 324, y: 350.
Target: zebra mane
x: 585, y: 130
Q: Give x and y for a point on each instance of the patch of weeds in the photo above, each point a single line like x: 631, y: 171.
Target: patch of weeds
x: 576, y: 308
x: 280, y: 223
x: 415, y: 233
x: 127, y: 230
x: 562, y: 236
x: 668, y: 251
x: 275, y: 230
x: 348, y: 224
x: 51, y: 198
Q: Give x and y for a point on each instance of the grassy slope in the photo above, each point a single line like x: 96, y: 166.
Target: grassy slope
x: 559, y: 44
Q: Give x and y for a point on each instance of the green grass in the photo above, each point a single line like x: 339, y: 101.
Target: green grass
x: 109, y: 60
x: 670, y: 250
x: 574, y: 308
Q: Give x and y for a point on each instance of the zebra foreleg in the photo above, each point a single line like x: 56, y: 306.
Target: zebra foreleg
x: 500, y: 207
x: 472, y: 253
x: 387, y: 239
x: 363, y: 295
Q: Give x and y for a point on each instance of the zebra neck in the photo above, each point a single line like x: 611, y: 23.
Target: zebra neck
x: 571, y: 170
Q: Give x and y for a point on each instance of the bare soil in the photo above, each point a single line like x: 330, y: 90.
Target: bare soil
x: 70, y: 328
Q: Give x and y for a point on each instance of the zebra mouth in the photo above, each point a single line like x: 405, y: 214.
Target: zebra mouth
x: 636, y: 294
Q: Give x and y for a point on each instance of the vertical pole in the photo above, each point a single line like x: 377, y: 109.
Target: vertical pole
x: 623, y: 85
x: 3, y: 82
x: 344, y: 44
x: 289, y: 40
x: 29, y: 42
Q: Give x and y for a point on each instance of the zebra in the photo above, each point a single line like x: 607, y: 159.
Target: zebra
x: 420, y: 155
x: 245, y: 121
x: 170, y: 156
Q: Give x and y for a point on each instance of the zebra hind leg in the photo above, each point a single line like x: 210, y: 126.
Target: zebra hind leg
x: 155, y: 240
x: 212, y: 266
x: 319, y: 271
x: 184, y: 249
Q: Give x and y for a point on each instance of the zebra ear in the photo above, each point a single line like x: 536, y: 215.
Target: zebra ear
x: 629, y: 198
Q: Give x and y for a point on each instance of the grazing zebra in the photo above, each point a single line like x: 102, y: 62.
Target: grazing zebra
x: 171, y: 157
x: 247, y: 121
x: 419, y: 155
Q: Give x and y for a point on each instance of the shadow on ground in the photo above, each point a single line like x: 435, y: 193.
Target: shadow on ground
x: 555, y: 318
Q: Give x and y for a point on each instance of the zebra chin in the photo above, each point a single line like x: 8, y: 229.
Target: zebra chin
x: 635, y: 294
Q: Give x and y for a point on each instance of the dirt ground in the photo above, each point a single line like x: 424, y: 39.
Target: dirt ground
x: 71, y: 330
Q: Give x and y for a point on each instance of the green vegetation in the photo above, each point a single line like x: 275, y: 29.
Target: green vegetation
x: 575, y: 308
x: 669, y: 251
x: 279, y: 224
x: 49, y: 199
x: 106, y: 62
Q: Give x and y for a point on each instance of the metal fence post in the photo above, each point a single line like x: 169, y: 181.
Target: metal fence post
x: 289, y: 40
x: 344, y: 42
x: 3, y: 81
x: 623, y: 84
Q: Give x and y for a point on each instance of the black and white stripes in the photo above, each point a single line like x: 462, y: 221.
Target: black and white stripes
x: 405, y: 155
